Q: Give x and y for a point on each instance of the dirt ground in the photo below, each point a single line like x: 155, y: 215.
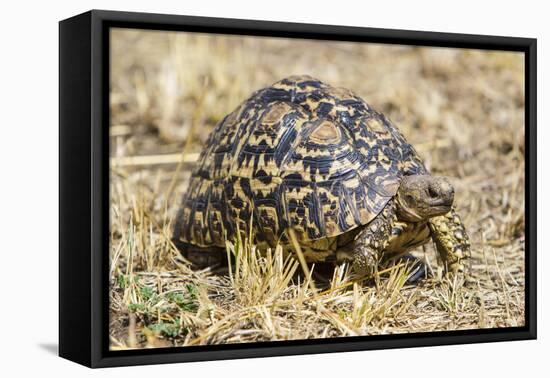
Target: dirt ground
x: 463, y: 110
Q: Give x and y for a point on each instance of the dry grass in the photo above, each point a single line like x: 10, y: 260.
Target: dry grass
x: 461, y: 109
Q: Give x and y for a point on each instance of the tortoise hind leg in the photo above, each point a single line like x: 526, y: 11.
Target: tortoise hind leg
x: 451, y: 241
x: 206, y: 257
x: 203, y: 257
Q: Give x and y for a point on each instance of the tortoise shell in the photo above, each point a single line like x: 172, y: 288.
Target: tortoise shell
x: 299, y: 155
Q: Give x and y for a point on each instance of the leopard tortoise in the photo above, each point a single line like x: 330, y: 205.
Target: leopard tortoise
x: 302, y: 155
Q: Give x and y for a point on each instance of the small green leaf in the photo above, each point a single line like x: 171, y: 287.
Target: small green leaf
x: 166, y: 329
x: 147, y: 293
x: 122, y: 281
x: 135, y: 307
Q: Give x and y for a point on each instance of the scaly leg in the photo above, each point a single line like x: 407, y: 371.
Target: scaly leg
x: 365, y: 251
x: 451, y: 240
x: 201, y: 257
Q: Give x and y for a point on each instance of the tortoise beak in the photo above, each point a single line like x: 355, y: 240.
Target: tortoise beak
x: 442, y: 192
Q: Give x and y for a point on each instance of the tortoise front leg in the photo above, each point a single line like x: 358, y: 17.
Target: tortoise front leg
x: 362, y: 255
x: 451, y: 241
x: 365, y: 261
x: 366, y: 250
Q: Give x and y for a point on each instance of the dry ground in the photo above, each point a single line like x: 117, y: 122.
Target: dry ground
x: 461, y: 109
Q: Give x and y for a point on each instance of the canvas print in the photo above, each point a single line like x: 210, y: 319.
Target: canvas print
x: 266, y: 189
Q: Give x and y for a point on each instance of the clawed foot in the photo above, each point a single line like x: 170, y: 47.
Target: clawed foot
x: 365, y: 262
x: 204, y: 259
x: 456, y: 269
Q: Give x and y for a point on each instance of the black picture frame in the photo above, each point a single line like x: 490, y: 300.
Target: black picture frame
x: 84, y: 191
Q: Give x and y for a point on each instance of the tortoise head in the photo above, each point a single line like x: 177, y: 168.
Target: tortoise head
x: 421, y: 197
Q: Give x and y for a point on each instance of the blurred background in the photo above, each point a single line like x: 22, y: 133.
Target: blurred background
x: 462, y: 109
